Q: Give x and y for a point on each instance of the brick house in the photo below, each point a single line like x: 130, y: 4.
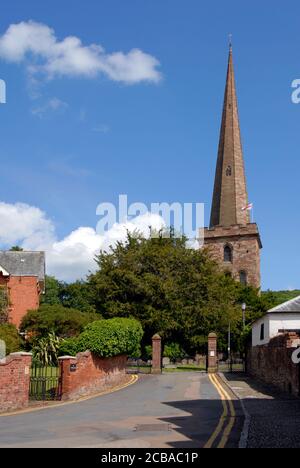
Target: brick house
x: 22, y: 275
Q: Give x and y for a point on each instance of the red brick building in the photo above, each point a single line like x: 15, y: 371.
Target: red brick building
x: 231, y: 237
x: 22, y: 275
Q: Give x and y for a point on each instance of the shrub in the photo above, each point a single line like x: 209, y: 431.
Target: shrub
x: 64, y: 322
x: 46, y: 350
x: 148, y: 352
x: 69, y: 347
x: 174, y: 351
x: 9, y: 334
x: 107, y: 338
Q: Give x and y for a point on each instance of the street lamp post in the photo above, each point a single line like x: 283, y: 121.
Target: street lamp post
x: 244, y: 307
x: 229, y: 347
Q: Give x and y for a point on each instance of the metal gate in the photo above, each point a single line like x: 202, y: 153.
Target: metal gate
x: 232, y: 365
x: 45, y: 383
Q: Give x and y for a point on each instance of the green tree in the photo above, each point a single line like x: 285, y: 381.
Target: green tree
x: 16, y: 248
x: 177, y: 292
x: 74, y: 295
x: 4, y: 304
x: 9, y: 334
x: 174, y: 351
x: 53, y: 289
x: 62, y: 321
x: 77, y: 296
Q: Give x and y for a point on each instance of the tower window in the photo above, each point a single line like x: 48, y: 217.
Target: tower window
x: 227, y: 254
x: 243, y: 278
x: 228, y: 171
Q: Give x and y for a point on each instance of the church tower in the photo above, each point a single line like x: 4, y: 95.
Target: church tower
x: 232, y: 239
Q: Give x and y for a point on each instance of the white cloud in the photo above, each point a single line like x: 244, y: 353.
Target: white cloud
x: 52, y: 105
x: 101, y: 128
x: 37, y: 45
x: 72, y: 257
x: 24, y: 222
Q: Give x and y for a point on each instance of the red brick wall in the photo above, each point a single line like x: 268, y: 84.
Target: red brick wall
x: 156, y: 355
x: 14, y: 381
x: 272, y: 363
x: 23, y: 293
x: 92, y: 374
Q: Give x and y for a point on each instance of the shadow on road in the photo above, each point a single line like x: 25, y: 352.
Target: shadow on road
x: 255, y: 386
x: 200, y: 422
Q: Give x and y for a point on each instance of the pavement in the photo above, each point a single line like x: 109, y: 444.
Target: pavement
x: 272, y: 418
x: 178, y: 410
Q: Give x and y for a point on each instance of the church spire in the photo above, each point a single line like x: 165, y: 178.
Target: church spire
x: 230, y: 192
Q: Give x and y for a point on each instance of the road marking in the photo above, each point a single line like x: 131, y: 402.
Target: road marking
x: 227, y: 405
x: 222, y: 420
x: 231, y: 422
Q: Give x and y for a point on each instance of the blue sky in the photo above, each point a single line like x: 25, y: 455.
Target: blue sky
x: 70, y: 141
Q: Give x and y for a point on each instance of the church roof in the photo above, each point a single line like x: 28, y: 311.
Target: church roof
x: 230, y: 192
x: 23, y: 263
x: 290, y: 306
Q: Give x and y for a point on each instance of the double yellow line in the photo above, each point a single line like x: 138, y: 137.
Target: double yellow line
x: 227, y: 418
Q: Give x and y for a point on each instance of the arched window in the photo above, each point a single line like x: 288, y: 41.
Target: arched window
x: 243, y: 277
x: 227, y: 254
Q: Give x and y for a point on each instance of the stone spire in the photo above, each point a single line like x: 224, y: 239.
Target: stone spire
x: 230, y: 192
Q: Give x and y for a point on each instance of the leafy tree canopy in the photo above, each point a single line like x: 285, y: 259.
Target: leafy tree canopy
x: 177, y: 292
x: 4, y: 304
x: 9, y: 334
x: 74, y: 295
x: 64, y: 322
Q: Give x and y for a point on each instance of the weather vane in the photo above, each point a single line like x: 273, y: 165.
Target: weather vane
x: 230, y: 41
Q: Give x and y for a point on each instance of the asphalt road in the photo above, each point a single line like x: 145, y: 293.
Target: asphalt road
x: 172, y: 410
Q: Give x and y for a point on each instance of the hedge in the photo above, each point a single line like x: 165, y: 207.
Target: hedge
x: 107, y: 338
x: 9, y: 334
x: 63, y: 321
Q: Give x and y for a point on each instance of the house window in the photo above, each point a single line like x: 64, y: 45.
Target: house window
x: 243, y: 278
x: 227, y: 254
x: 262, y: 332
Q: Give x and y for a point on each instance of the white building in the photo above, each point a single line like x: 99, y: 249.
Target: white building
x: 283, y: 318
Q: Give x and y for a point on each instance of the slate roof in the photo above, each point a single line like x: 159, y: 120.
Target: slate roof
x: 289, y: 306
x: 24, y: 263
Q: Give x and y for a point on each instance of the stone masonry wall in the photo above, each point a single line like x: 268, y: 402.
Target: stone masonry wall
x: 86, y: 374
x: 245, y: 244
x: 14, y: 381
x: 272, y: 363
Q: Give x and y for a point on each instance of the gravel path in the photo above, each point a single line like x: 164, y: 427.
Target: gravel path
x: 274, y: 417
